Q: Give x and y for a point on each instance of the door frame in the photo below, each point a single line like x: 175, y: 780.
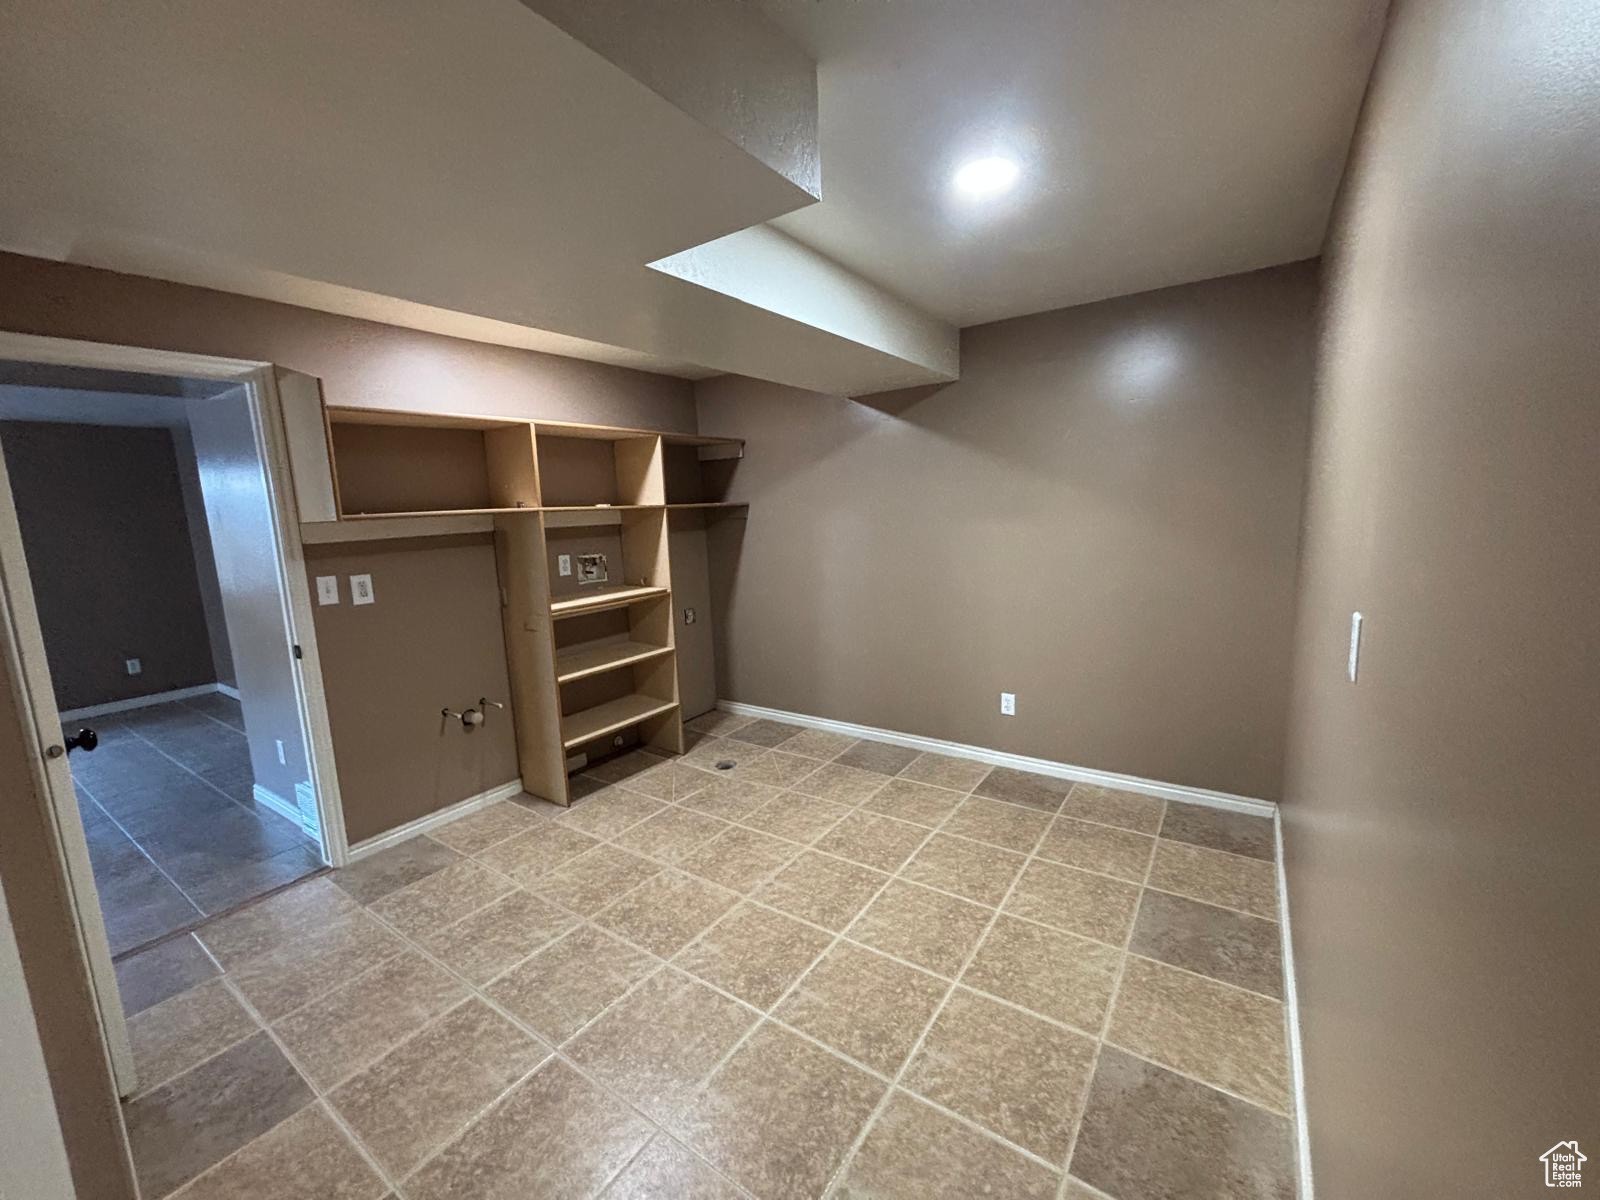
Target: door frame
x: 25, y: 641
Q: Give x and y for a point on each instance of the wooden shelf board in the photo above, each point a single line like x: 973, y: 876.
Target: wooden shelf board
x: 590, y: 723
x: 712, y: 504
x: 433, y: 513
x: 582, y: 662
x: 594, y: 507
x: 427, y: 420
x: 438, y: 525
x: 616, y: 597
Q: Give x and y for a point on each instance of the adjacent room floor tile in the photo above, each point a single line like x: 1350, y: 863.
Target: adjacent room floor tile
x: 665, y: 1169
x: 153, y: 975
x: 672, y: 834
x: 914, y: 1152
x: 441, y: 899
x: 754, y: 953
x: 1208, y: 1030
x: 958, y: 774
x: 410, y: 1101
x: 912, y: 801
x: 667, y: 912
x: 1112, y: 806
x: 563, y: 987
x: 1058, y: 975
x: 796, y: 817
x: 196, y: 1120
x: 877, y: 756
x: 864, y: 1005
x: 554, y: 1135
x: 594, y: 879
x: 1009, y: 825
x: 924, y: 927
x: 780, y: 1115
x: 530, y: 856
x: 881, y: 843
x: 764, y: 733
x: 181, y: 1031
x: 825, y: 891
x: 1010, y: 1072
x: 234, y: 883
x: 478, y: 831
x: 1218, y: 829
x: 740, y: 858
x: 1226, y: 945
x: 306, y: 1156
x: 1024, y: 787
x: 818, y: 744
x: 374, y: 877
x: 354, y: 1026
x: 1100, y: 848
x: 841, y: 784
x: 975, y: 870
x: 492, y: 939
x: 1077, y: 901
x: 659, y: 1041
x: 1230, y: 880
x: 1149, y: 1133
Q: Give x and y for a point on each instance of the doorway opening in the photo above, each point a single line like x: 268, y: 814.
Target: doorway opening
x: 147, y: 521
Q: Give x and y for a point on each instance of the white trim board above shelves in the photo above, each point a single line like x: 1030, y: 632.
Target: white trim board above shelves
x: 1020, y: 762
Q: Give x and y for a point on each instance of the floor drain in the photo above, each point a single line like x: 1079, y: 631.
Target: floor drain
x: 726, y: 764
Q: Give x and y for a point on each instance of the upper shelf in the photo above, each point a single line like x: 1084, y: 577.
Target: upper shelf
x: 393, y: 465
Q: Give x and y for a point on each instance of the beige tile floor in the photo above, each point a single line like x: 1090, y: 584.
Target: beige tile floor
x: 837, y: 969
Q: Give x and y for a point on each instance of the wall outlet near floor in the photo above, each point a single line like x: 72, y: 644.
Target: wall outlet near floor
x: 1008, y: 704
x: 563, y: 564
x: 134, y: 666
x: 361, y: 589
x: 327, y: 589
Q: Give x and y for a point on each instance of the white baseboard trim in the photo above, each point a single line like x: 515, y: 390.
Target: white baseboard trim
x: 1000, y: 758
x: 1291, y: 1017
x: 422, y: 824
x: 133, y: 702
x: 228, y: 690
x: 277, y: 804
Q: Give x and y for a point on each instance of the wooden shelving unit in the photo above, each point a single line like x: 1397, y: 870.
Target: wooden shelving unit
x: 591, y: 662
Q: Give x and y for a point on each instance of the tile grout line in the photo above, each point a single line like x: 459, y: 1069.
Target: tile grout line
x: 1105, y: 1024
x: 134, y: 842
x: 841, y: 1172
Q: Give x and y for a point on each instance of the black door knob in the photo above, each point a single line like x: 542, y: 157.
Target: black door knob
x: 84, y: 739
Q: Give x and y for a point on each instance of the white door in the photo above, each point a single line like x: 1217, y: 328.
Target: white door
x: 26, y: 644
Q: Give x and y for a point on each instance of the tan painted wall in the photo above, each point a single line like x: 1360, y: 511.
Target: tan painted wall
x: 430, y: 640
x: 111, y: 559
x: 1101, y: 516
x: 1441, y: 816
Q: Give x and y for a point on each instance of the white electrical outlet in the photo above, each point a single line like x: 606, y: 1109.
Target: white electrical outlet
x: 564, y: 564
x: 134, y: 666
x: 1008, y: 704
x: 361, y: 589
x: 327, y: 589
x: 281, y: 756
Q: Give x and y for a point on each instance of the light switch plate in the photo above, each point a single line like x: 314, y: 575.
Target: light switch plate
x: 361, y: 589
x: 134, y: 666
x: 327, y: 589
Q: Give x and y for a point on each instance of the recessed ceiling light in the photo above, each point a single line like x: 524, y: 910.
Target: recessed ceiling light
x: 986, y: 176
